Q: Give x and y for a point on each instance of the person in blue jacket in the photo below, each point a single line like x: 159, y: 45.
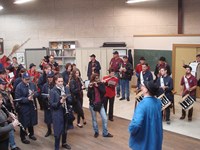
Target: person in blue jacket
x: 25, y: 92
x: 59, y: 98
x: 145, y: 128
x: 45, y: 94
x: 165, y: 83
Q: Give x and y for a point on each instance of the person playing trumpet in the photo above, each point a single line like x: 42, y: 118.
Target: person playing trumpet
x: 165, y: 83
x: 110, y: 82
x: 188, y: 86
x: 26, y: 91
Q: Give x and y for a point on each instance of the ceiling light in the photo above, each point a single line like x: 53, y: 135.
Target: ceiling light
x: 1, y: 7
x: 135, y: 1
x: 21, y: 1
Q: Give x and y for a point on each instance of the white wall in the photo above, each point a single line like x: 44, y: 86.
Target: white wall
x: 91, y: 22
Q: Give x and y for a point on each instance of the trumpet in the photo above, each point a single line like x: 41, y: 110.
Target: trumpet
x: 14, y: 117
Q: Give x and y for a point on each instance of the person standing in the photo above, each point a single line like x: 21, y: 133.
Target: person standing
x: 126, y: 72
x: 115, y: 64
x: 59, y: 98
x: 96, y: 92
x: 138, y: 67
x: 162, y: 64
x: 5, y: 127
x: 165, y: 83
x: 45, y: 94
x: 25, y: 92
x: 145, y: 128
x: 145, y: 75
x: 66, y: 74
x: 76, y: 89
x: 110, y: 82
x: 188, y: 86
x: 93, y: 66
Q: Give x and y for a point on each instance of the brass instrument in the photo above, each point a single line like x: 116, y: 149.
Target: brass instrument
x: 164, y: 101
x: 31, y: 94
x: 187, y: 102
x: 14, y: 117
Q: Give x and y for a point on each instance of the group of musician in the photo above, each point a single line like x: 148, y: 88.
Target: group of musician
x: 59, y: 95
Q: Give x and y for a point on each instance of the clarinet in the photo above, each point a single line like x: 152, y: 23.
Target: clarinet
x: 31, y: 93
x: 82, y: 82
x: 20, y: 125
x: 65, y: 103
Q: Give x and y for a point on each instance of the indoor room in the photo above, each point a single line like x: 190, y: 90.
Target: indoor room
x: 101, y: 74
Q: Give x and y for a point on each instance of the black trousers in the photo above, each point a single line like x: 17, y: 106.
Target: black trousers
x: 4, y: 144
x: 57, y: 140
x: 23, y: 135
x: 111, y: 106
x: 190, y: 112
x: 79, y: 110
x: 167, y: 111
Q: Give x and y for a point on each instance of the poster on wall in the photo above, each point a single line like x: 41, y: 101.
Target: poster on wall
x: 20, y: 58
x: 1, y: 46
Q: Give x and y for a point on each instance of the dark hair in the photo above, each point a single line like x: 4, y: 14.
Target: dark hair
x: 14, y: 58
x: 93, y: 76
x: 198, y: 55
x: 74, y: 73
x: 46, y: 66
x: 163, y: 68
x: 146, y: 64
x: 111, y: 70
x: 57, y: 76
x: 22, y: 71
x: 67, y: 65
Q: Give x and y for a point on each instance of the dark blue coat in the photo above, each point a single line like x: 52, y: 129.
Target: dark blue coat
x: 96, y: 70
x: 27, y: 112
x: 16, y: 82
x: 47, y: 112
x: 42, y: 80
x: 58, y: 112
x: 168, y: 81
x: 147, y: 76
x: 65, y: 75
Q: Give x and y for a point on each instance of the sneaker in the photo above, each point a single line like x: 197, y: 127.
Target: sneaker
x: 168, y: 122
x: 16, y: 148
x: 96, y: 134
x: 25, y: 141
x: 182, y: 117
x: 33, y: 138
x: 128, y: 99
x: 48, y: 133
x: 66, y: 146
x: 111, y: 119
x: 108, y: 135
x: 123, y: 98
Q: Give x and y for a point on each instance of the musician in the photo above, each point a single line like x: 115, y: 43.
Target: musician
x: 96, y: 92
x: 59, y: 113
x: 126, y: 72
x: 17, y: 67
x: 25, y: 92
x: 138, y: 68
x: 47, y: 112
x: 145, y: 75
x: 5, y: 128
x: 145, y: 128
x: 188, y: 86
x: 66, y: 73
x: 53, y: 64
x: 33, y: 73
x: 110, y: 82
x: 8, y: 103
x: 76, y: 88
x: 115, y: 64
x: 93, y: 66
x: 41, y: 81
x: 165, y: 83
x: 162, y: 64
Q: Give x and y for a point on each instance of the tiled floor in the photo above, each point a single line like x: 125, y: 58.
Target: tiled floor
x: 124, y: 109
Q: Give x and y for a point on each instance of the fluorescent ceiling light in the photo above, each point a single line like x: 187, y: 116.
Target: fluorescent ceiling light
x: 1, y: 7
x: 21, y: 1
x: 135, y: 1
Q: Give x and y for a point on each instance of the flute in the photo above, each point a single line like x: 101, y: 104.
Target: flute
x: 13, y: 117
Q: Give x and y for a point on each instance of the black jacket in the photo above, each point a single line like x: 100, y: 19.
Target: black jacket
x: 96, y: 70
